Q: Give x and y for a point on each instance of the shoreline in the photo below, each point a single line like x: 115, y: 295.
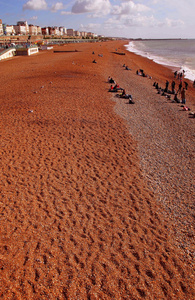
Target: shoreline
x: 163, y: 61
x: 77, y: 216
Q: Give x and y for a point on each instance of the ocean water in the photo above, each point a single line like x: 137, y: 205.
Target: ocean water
x: 178, y: 54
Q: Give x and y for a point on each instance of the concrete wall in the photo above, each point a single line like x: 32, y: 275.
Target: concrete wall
x: 7, y: 53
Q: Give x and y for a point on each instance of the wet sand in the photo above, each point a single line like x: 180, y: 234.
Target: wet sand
x: 80, y: 215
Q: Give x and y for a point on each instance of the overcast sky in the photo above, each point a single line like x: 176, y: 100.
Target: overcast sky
x: 122, y: 18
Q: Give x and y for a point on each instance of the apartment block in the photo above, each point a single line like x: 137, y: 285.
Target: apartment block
x: 32, y: 29
x: 45, y: 31
x: 9, y: 30
x: 1, y: 27
x: 70, y: 32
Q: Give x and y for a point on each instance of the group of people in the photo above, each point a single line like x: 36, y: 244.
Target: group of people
x: 166, y: 92
x: 141, y: 72
x: 126, y: 67
x: 115, y: 88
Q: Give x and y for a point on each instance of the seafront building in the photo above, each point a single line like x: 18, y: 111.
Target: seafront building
x: 1, y: 27
x: 22, y: 28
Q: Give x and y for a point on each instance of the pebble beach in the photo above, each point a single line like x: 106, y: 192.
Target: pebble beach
x: 96, y: 195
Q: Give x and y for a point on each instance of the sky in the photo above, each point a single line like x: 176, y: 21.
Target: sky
x: 113, y: 18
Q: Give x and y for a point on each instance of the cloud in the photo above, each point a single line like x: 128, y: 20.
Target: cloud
x: 140, y: 21
x: 66, y: 13
x: 33, y: 18
x: 57, y: 6
x: 90, y: 27
x: 173, y: 23
x: 129, y: 8
x: 96, y: 6
x: 35, y: 5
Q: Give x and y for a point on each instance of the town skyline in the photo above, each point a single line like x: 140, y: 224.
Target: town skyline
x: 23, y: 28
x: 121, y: 18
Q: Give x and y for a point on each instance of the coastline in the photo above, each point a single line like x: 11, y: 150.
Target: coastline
x: 169, y: 61
x: 77, y: 216
x: 165, y: 147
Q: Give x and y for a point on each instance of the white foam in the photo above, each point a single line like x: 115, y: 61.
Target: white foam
x: 189, y: 73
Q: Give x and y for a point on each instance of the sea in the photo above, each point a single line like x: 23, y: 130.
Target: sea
x: 177, y: 54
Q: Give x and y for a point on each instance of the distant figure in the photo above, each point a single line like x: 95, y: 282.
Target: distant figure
x: 131, y: 100
x: 124, y: 92
x: 180, y: 86
x: 175, y: 74
x: 194, y: 83
x: 186, y: 85
x: 94, y: 61
x: 112, y: 80
x: 127, y: 68
x: 183, y: 96
x: 173, y: 87
x: 166, y: 86
x: 141, y: 71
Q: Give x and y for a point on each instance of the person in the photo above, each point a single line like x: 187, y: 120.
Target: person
x: 166, y: 86
x: 186, y: 85
x: 112, y: 80
x: 180, y: 86
x: 131, y: 100
x: 94, y: 61
x: 194, y: 83
x: 117, y: 87
x: 123, y: 92
x: 183, y: 96
x: 175, y: 74
x: 173, y: 87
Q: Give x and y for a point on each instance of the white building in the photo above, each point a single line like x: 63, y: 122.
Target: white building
x: 32, y: 29
x: 90, y: 34
x: 56, y: 30
x: 1, y: 27
x: 39, y: 31
x: 83, y: 33
x: 25, y: 24
x: 76, y: 33
x: 20, y: 30
x: 9, y: 29
x: 62, y: 30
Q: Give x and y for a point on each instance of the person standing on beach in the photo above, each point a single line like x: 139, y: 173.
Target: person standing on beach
x: 173, y: 87
x: 167, y: 85
x: 183, y: 96
x: 180, y: 86
x: 186, y: 85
